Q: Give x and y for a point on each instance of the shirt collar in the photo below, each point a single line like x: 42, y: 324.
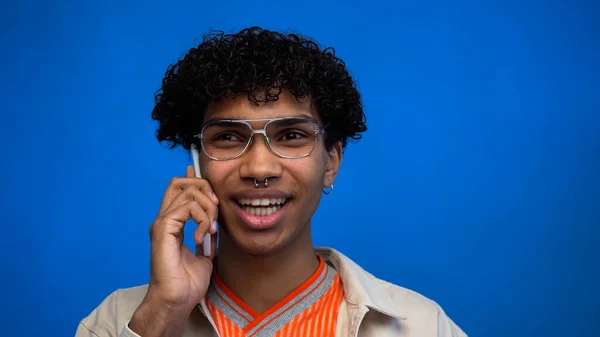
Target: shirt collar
x: 361, y: 287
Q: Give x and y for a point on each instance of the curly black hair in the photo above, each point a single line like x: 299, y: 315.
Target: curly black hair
x: 260, y: 64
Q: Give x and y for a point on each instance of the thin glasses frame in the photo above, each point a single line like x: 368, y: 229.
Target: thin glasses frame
x: 263, y: 131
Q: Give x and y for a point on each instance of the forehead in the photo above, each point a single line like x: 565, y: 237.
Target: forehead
x: 242, y: 108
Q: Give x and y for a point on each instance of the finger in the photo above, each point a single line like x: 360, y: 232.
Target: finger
x: 213, y: 246
x: 177, y: 185
x: 205, y: 186
x: 200, y: 235
x: 192, y: 193
x: 173, y: 189
x: 190, y: 172
x: 172, y: 223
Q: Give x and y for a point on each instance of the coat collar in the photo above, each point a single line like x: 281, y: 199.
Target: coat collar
x: 361, y: 288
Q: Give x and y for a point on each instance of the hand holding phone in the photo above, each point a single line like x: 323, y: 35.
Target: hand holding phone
x: 179, y: 279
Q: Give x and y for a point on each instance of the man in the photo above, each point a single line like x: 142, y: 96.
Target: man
x: 271, y: 114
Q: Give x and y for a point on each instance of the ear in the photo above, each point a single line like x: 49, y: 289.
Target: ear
x: 334, y: 159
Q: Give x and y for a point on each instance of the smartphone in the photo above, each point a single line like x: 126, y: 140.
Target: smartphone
x: 206, y: 243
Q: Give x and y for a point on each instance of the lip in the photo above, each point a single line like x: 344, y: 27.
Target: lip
x: 262, y: 222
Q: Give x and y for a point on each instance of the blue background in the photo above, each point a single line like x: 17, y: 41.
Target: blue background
x: 477, y: 184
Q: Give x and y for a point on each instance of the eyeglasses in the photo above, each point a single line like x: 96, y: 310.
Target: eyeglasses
x: 287, y: 137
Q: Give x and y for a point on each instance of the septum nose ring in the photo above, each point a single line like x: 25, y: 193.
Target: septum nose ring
x: 256, y: 183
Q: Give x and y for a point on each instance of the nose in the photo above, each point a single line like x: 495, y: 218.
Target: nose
x: 259, y: 162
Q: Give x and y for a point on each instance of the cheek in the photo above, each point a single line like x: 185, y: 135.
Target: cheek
x: 217, y: 173
x: 308, y: 174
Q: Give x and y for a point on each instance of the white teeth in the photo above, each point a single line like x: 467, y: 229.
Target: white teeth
x: 261, y: 211
x: 262, y: 207
x: 262, y: 202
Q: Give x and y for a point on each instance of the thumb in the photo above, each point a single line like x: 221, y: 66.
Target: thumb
x: 190, y: 172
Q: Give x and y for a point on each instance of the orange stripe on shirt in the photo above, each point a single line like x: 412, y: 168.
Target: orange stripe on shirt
x: 310, y: 310
x: 325, y: 311
x: 288, y: 299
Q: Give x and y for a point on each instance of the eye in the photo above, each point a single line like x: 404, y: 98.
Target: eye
x: 226, y: 137
x: 292, y: 135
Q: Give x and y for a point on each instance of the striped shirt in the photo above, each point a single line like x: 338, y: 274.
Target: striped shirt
x: 310, y: 310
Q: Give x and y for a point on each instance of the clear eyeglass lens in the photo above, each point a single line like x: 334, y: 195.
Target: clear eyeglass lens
x: 293, y: 137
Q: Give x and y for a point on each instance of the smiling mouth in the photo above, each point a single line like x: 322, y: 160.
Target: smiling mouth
x: 262, y: 207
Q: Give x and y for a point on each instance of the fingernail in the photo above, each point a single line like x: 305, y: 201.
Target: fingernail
x: 214, y: 196
x: 213, y: 226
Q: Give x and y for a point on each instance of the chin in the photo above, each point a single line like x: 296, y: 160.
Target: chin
x: 255, y: 243
x: 263, y: 244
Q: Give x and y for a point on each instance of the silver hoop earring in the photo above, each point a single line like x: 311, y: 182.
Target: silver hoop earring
x: 328, y: 191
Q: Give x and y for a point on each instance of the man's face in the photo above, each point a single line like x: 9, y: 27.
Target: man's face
x: 295, y: 185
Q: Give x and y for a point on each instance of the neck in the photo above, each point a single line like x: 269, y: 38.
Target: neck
x: 261, y: 281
